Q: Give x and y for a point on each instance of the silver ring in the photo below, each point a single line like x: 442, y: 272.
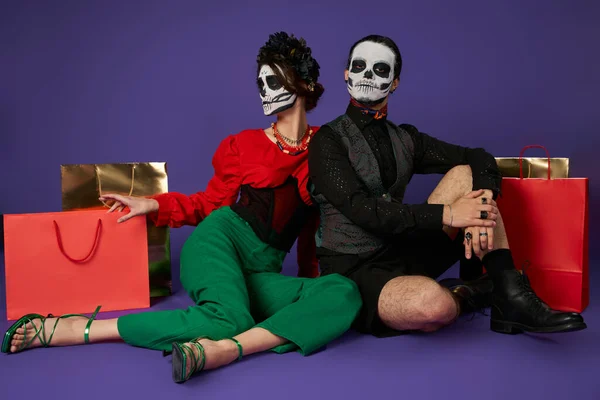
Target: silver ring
x: 483, y: 234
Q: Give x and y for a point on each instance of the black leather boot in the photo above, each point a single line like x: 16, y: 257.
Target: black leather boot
x: 516, y: 308
x: 472, y: 296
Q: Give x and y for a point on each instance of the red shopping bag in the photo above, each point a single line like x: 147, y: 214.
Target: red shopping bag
x: 546, y: 222
x: 71, y: 262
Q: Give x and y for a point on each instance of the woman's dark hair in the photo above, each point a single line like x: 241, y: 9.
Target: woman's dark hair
x: 292, y: 62
x: 387, y: 42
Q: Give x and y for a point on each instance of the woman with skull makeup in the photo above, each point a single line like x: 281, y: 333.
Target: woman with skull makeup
x: 360, y: 165
x: 231, y: 264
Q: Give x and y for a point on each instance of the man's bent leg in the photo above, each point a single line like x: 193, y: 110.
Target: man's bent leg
x: 476, y: 294
x: 515, y: 306
x: 455, y: 184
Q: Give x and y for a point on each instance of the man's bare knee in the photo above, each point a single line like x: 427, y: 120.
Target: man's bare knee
x: 461, y: 172
x: 456, y: 183
x: 438, y: 306
x: 415, y: 303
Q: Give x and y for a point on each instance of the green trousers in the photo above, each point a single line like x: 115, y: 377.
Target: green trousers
x: 235, y: 282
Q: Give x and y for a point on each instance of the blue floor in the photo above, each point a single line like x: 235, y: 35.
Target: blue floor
x: 464, y: 361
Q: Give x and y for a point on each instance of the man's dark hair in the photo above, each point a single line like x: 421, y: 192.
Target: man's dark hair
x: 387, y: 42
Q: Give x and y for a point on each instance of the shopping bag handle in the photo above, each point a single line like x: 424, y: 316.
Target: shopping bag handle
x: 100, y: 182
x: 92, y: 250
x: 533, y: 146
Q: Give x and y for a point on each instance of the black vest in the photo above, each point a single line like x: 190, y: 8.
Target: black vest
x: 336, y: 231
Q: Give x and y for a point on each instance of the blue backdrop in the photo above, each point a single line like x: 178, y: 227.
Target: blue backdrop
x: 119, y: 81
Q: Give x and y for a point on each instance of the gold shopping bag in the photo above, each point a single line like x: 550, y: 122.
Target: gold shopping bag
x: 82, y: 185
x: 533, y: 167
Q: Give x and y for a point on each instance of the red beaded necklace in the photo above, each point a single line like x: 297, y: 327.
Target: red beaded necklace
x: 291, y: 146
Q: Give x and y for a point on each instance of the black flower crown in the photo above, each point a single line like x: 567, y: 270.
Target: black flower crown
x: 294, y: 52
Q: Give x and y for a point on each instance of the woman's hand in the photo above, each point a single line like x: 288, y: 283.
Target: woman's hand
x: 137, y: 205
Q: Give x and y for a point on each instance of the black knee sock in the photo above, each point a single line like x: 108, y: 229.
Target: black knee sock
x: 498, y: 261
x: 470, y: 269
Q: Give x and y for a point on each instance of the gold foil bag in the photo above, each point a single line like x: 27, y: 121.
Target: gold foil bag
x: 533, y: 167
x: 82, y: 185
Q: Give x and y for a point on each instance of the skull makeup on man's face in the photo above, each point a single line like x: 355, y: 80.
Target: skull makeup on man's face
x: 371, y: 73
x: 275, y: 97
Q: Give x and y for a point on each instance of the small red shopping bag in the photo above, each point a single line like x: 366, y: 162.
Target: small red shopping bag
x: 71, y: 262
x: 546, y: 222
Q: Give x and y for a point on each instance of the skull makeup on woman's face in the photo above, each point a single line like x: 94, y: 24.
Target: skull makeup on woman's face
x: 275, y: 97
x: 371, y: 73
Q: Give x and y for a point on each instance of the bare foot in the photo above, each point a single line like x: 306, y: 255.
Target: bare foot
x: 68, y: 332
x: 217, y: 353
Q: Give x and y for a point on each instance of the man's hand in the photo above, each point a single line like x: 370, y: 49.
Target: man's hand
x: 471, y: 210
x: 479, y: 239
x: 489, y: 195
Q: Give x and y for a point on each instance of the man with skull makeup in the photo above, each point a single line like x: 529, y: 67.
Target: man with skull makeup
x: 231, y: 264
x: 360, y: 165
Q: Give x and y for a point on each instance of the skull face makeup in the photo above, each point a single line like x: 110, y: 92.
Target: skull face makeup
x: 275, y: 97
x: 371, y: 73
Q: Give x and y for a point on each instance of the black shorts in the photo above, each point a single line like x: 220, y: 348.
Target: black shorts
x: 422, y: 252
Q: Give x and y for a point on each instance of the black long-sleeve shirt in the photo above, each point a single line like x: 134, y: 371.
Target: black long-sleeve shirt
x: 333, y: 176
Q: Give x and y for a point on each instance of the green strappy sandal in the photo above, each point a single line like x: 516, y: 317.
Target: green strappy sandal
x: 41, y: 332
x: 180, y: 357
